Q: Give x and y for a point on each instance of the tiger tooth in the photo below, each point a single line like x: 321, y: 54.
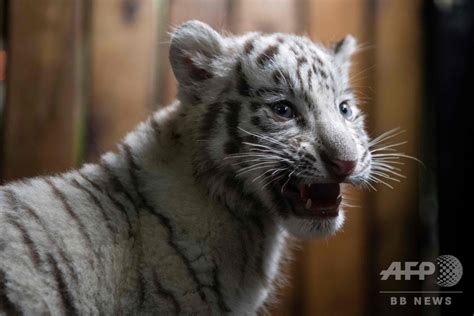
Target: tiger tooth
x: 308, y: 204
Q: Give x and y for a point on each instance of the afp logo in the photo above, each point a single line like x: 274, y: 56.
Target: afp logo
x: 449, y: 270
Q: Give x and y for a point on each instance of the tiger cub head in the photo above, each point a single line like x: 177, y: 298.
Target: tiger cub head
x: 274, y: 126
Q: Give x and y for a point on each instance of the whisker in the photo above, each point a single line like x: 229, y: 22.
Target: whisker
x: 390, y: 171
x: 253, y: 160
x: 350, y: 205
x: 384, y: 175
x: 265, y: 163
x: 274, y: 171
x: 399, y: 155
x: 273, y: 180
x: 267, y: 148
x: 388, y: 132
x: 265, y: 137
x: 386, y: 135
x: 269, y: 177
x: 389, y: 147
x: 258, y: 156
x: 369, y: 184
x: 377, y: 180
x: 385, y: 165
x: 288, y: 180
x: 392, y: 161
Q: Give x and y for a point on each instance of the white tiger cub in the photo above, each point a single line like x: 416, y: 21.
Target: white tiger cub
x: 191, y: 214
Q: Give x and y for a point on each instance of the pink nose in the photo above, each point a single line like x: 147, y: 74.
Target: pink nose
x: 342, y: 168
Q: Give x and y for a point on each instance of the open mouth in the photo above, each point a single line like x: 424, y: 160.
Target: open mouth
x: 315, y: 200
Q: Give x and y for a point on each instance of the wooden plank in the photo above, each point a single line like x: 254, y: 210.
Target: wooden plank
x: 3, y: 67
x: 3, y: 56
x: 42, y: 118
x: 162, y: 62
x: 212, y: 12
x: 335, y: 269
x: 123, y: 63
x: 266, y: 16
x: 399, y: 101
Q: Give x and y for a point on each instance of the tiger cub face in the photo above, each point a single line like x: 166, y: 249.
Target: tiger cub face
x: 275, y: 127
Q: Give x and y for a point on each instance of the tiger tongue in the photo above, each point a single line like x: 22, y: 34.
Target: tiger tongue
x: 321, y: 193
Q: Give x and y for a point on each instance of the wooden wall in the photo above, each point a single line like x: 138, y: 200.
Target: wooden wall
x: 82, y: 73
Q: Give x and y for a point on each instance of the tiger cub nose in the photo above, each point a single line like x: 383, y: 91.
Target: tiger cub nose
x: 342, y: 168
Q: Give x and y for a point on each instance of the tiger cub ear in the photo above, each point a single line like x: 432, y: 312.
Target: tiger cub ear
x: 343, y: 51
x: 195, y: 47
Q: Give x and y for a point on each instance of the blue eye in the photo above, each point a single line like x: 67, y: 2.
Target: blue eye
x: 284, y: 109
x: 345, y: 110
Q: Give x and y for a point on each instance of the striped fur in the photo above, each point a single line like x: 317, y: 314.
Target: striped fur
x: 167, y: 224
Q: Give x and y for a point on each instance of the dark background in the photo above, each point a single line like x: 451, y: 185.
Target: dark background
x: 449, y: 65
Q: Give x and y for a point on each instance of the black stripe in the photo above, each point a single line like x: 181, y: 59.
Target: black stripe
x: 120, y: 188
x: 315, y: 70
x: 210, y: 119
x: 232, y: 120
x: 300, y: 79
x: 238, y: 186
x: 6, y: 305
x: 99, y: 274
x: 295, y: 51
x: 259, y: 259
x: 176, y: 138
x: 62, y: 288
x: 117, y: 185
x: 257, y: 122
x: 27, y: 240
x: 300, y: 46
x: 268, y: 91
x: 31, y: 212
x: 280, y: 202
x: 319, y: 61
x: 338, y: 46
x: 301, y: 61
x: 267, y: 55
x: 199, y: 74
x: 216, y: 287
x: 332, y: 78
x: 282, y: 77
x: 141, y: 279
x: 323, y: 74
x: 133, y: 169
x: 98, y: 205
x: 154, y: 125
x: 166, y: 294
x: 277, y: 77
x: 68, y: 208
x: 249, y: 46
x: 242, y: 85
x: 117, y: 204
x: 255, y: 106
x: 310, y: 79
x: 243, y: 244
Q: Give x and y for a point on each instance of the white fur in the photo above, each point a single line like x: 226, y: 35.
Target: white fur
x: 165, y: 224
